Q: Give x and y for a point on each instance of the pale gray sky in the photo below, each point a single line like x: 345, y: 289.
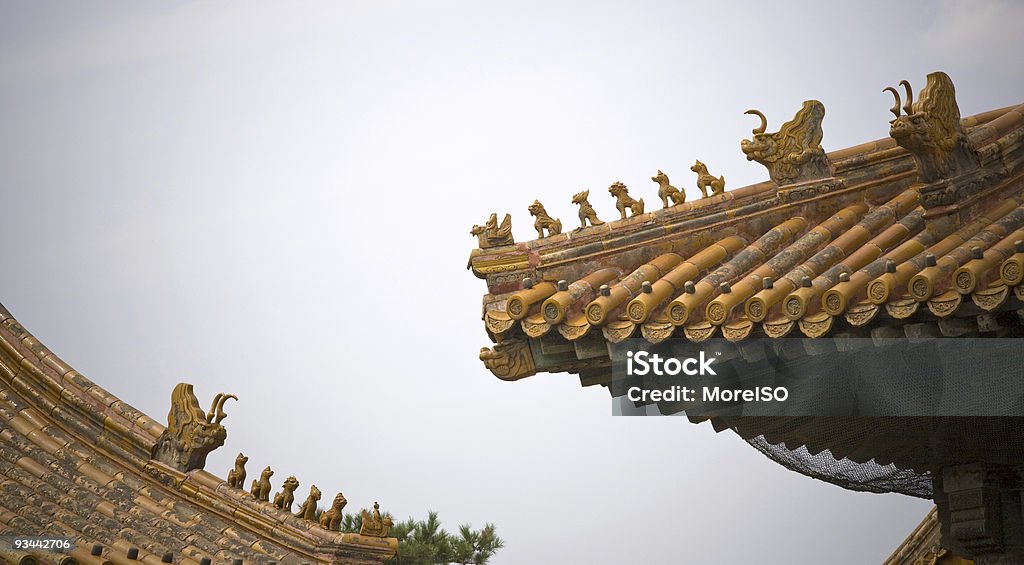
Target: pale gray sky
x: 274, y: 200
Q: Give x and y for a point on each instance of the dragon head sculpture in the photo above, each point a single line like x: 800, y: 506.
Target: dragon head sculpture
x: 509, y: 360
x: 930, y: 129
x: 792, y: 154
x: 191, y: 434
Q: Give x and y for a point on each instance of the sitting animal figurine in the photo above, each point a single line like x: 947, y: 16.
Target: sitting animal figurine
x: 308, y: 509
x: 330, y: 519
x: 261, y: 488
x: 236, y: 476
x: 544, y: 221
x: 623, y: 200
x: 666, y: 191
x: 586, y: 210
x: 705, y: 179
x: 283, y: 500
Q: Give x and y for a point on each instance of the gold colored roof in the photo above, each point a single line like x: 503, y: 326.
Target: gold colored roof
x: 75, y: 461
x: 868, y: 240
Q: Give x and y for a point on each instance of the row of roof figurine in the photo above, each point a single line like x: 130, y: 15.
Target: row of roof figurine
x: 929, y: 129
x: 372, y: 523
x: 192, y: 434
x: 492, y: 235
x: 792, y: 155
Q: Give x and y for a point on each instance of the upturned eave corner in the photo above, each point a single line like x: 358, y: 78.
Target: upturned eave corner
x: 829, y: 242
x: 509, y: 360
x: 496, y: 261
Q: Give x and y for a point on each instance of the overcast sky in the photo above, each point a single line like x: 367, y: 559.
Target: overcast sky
x: 274, y: 200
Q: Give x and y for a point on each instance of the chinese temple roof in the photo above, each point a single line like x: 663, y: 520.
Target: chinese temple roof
x: 921, y: 231
x: 77, y: 462
x: 917, y: 235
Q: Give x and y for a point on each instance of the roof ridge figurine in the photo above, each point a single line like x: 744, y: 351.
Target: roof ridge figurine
x: 491, y: 234
x: 261, y: 488
x: 587, y: 211
x: 623, y: 201
x: 792, y: 154
x: 236, y: 476
x: 308, y: 509
x: 373, y: 525
x: 544, y: 221
x: 331, y: 518
x: 930, y: 129
x: 283, y: 500
x: 191, y: 434
x: 706, y: 180
x: 668, y: 192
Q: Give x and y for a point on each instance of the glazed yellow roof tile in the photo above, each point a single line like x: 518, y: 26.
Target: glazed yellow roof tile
x: 75, y: 462
x: 886, y: 229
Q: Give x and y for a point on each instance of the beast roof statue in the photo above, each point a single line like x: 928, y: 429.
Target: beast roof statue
x: 191, y: 435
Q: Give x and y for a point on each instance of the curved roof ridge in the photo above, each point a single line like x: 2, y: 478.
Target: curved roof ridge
x: 76, y: 461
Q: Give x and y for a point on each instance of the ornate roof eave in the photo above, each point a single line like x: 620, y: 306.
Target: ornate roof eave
x: 905, y: 219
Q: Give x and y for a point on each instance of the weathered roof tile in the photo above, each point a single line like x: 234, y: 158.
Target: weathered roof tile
x: 766, y: 259
x: 74, y: 461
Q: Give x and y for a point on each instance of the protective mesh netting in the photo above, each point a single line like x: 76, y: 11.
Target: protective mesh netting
x: 863, y: 477
x: 867, y: 415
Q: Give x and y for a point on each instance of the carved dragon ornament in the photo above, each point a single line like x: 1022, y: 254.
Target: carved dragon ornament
x: 509, y: 360
x: 792, y: 154
x: 191, y: 434
x: 930, y: 129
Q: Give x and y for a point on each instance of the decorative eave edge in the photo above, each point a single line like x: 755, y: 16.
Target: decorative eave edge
x: 948, y: 164
x: 517, y: 358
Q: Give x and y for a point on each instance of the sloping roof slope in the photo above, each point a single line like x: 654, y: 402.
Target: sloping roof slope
x: 75, y: 461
